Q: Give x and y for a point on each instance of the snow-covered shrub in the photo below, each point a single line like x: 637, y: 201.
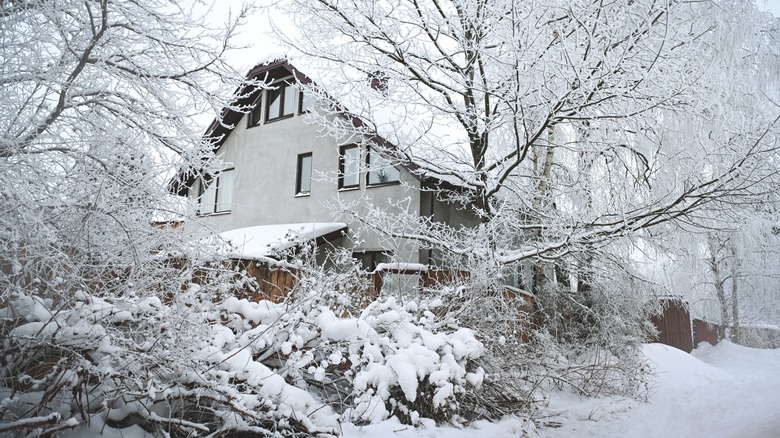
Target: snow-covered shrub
x: 371, y: 363
x: 155, y: 365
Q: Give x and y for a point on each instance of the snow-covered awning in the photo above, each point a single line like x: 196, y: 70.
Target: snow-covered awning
x: 261, y: 241
x: 402, y: 268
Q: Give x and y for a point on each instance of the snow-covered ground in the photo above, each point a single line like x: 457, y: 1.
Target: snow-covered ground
x: 717, y: 392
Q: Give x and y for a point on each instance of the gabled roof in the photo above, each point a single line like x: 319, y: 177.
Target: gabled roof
x: 245, y: 95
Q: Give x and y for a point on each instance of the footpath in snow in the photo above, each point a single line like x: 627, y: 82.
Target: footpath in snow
x: 717, y: 392
x: 726, y: 391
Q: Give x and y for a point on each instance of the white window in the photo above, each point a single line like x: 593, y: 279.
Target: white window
x: 380, y: 171
x: 349, y: 167
x: 217, y: 193
x: 281, y: 101
x: 307, y: 102
x: 303, y: 179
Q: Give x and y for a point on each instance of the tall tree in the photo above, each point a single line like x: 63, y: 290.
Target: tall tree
x: 675, y: 100
x: 570, y: 128
x: 97, y: 104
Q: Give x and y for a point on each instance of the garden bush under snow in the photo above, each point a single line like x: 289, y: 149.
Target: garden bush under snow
x: 185, y: 365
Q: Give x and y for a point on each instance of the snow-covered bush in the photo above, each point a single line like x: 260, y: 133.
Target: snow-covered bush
x: 141, y: 362
x: 368, y: 363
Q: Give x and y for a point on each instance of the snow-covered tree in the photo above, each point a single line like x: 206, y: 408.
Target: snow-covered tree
x: 96, y: 306
x: 586, y: 120
x: 115, y: 317
x: 571, y: 129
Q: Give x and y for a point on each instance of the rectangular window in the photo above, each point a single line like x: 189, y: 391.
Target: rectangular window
x: 369, y: 260
x: 217, y: 193
x: 306, y: 103
x: 380, y: 171
x: 349, y: 167
x: 254, y: 115
x: 303, y: 179
x: 280, y: 102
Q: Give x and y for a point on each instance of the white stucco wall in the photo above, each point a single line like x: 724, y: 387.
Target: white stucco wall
x: 265, y: 158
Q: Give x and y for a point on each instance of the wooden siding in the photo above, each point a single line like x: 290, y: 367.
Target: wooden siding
x: 275, y: 284
x: 674, y: 325
x: 434, y: 279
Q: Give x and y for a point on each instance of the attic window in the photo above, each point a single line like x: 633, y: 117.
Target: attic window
x: 216, y: 195
x: 380, y: 171
x: 254, y: 115
x: 280, y: 103
x: 306, y: 102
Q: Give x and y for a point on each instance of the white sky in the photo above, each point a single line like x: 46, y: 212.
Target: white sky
x: 256, y: 32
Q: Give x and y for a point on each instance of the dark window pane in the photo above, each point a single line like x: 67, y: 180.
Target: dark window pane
x: 254, y: 116
x: 368, y: 260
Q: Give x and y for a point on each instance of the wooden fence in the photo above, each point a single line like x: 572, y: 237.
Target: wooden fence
x: 750, y: 335
x: 704, y: 331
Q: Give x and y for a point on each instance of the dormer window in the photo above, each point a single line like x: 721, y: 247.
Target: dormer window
x: 280, y: 102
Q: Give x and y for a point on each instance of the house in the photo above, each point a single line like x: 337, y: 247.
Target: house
x: 284, y: 173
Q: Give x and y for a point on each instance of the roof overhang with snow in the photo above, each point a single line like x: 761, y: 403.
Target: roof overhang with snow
x: 261, y: 242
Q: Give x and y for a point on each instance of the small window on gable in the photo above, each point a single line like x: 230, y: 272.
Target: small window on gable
x: 216, y: 194
x: 303, y: 178
x: 255, y: 114
x: 280, y: 102
x: 349, y: 167
x: 306, y: 102
x: 380, y: 171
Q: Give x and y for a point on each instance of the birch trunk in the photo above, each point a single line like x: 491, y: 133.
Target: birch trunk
x: 719, y: 292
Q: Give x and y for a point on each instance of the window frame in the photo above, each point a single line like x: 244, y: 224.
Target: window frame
x: 204, y: 185
x: 369, y: 171
x: 298, y: 174
x: 256, y: 116
x: 342, y: 156
x: 301, y: 94
x: 282, y: 89
x: 374, y: 258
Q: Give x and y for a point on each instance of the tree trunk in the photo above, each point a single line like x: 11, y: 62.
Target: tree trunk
x: 734, y: 295
x: 540, y: 278
x: 719, y: 292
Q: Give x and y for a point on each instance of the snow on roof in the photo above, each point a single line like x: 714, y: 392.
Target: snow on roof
x: 261, y: 241
x: 397, y: 266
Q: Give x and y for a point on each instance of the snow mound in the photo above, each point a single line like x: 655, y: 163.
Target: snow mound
x: 741, y: 361
x: 675, y: 367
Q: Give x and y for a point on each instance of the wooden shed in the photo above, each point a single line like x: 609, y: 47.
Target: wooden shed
x: 674, y: 324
